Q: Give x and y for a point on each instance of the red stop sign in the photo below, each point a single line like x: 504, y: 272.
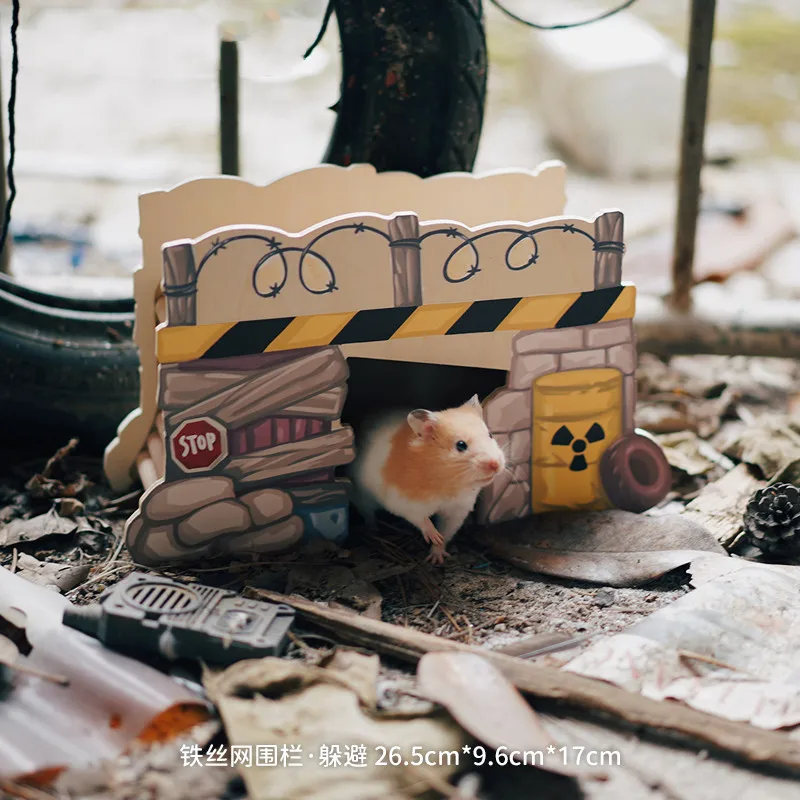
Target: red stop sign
x: 199, y: 444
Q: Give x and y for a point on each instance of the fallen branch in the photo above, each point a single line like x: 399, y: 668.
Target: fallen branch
x: 745, y: 743
x: 761, y: 328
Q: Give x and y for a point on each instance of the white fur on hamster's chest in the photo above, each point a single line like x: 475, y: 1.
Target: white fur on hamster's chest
x: 372, y: 453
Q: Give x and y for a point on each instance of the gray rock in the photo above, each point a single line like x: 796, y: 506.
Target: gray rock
x: 604, y: 598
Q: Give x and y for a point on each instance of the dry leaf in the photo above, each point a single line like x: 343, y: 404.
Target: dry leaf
x: 487, y: 705
x: 49, y: 524
x: 686, y: 451
x: 613, y: 548
x: 273, y: 701
x: 61, y: 577
x: 771, y: 444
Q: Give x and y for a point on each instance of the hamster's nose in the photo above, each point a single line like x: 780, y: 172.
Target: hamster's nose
x: 492, y: 465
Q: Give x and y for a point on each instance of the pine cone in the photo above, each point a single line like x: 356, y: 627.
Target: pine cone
x: 772, y: 520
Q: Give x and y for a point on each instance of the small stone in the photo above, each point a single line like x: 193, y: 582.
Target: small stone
x: 500, y: 627
x: 604, y: 598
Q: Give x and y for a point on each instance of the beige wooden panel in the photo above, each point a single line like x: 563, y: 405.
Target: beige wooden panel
x: 294, y: 203
x: 359, y: 265
x: 564, y: 260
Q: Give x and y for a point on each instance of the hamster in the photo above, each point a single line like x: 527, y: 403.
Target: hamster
x: 426, y: 463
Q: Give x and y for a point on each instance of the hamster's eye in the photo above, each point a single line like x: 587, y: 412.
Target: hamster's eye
x: 461, y: 445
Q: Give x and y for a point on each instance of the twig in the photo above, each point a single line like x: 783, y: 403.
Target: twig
x: 734, y: 740
x: 557, y: 646
x: 58, y: 457
x: 296, y: 640
x: 452, y: 619
x: 433, y: 608
x: 14, y: 556
x: 118, y: 503
x: 690, y: 656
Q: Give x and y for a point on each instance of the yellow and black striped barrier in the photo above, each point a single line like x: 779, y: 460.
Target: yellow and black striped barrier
x: 223, y: 340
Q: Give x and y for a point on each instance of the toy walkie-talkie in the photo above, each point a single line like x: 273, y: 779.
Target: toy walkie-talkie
x: 150, y: 613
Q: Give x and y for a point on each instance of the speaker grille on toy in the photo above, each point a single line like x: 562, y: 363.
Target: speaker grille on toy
x: 162, y: 598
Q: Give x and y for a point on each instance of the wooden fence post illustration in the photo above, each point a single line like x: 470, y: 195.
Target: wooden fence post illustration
x: 180, y: 283
x: 406, y: 262
x: 608, y: 229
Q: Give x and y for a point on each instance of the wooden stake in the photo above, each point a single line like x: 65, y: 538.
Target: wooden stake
x: 608, y: 231
x: 406, y: 264
x: 180, y: 287
x: 228, y: 101
x: 743, y: 742
x: 698, y: 68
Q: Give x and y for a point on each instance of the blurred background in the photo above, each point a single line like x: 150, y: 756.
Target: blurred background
x: 119, y: 97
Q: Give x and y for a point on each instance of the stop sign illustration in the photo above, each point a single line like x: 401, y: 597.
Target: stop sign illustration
x: 199, y: 444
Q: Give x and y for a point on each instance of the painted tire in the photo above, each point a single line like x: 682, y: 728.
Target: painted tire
x: 635, y: 473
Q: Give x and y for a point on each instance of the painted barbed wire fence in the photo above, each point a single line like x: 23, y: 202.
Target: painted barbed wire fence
x: 316, y: 272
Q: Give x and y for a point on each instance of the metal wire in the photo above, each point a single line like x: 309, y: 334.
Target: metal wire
x: 12, y: 102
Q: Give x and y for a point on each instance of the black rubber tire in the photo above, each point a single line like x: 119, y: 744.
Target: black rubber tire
x: 412, y: 98
x: 413, y: 85
x: 68, y: 368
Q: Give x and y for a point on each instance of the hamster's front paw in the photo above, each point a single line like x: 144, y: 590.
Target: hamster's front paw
x: 432, y: 536
x: 437, y: 555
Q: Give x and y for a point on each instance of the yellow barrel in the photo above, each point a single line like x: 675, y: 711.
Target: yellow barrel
x: 576, y: 415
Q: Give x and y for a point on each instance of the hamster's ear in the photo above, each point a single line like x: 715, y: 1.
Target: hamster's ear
x: 473, y: 404
x: 422, y: 421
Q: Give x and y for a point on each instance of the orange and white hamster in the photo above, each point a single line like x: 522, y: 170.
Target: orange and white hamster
x: 426, y: 463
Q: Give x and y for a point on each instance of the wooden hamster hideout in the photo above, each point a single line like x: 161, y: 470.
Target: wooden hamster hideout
x: 250, y: 300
